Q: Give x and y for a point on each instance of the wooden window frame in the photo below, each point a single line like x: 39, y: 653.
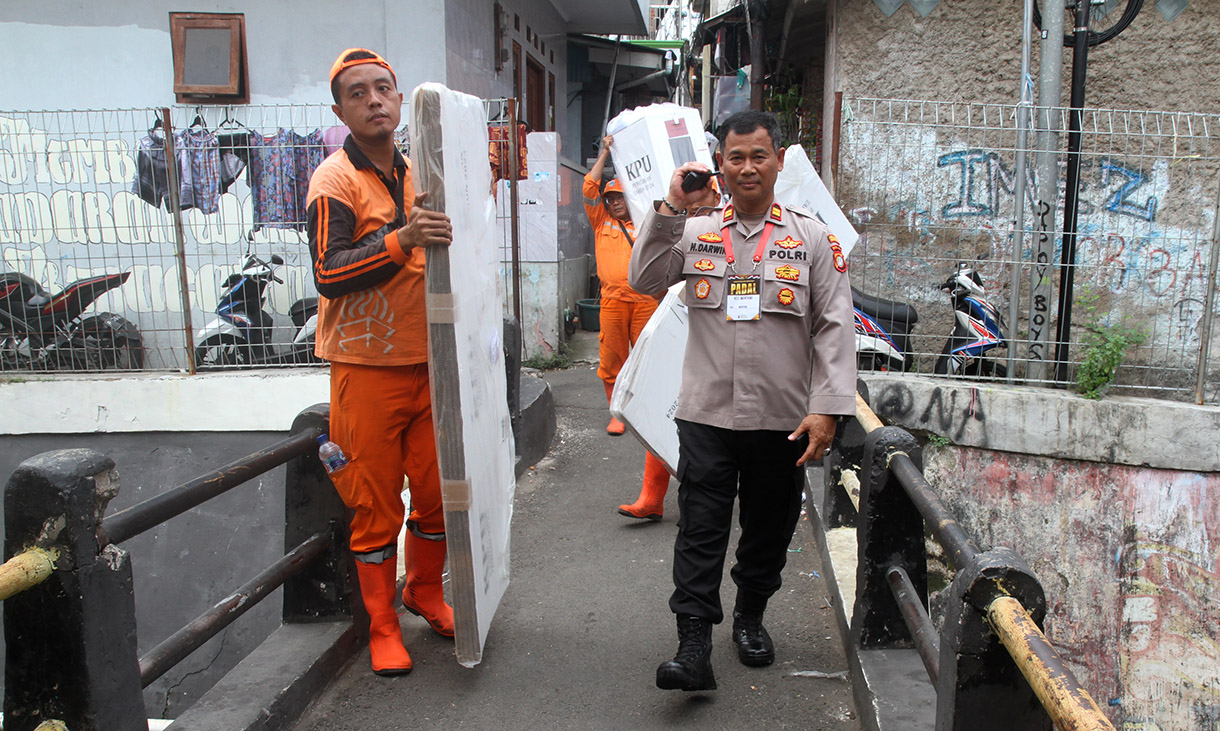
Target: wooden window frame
x: 237, y: 89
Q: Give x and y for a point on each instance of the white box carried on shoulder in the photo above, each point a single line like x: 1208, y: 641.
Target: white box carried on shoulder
x: 649, y: 144
x: 645, y: 393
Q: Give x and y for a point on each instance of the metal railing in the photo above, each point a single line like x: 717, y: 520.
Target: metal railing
x: 69, y: 594
x: 929, y: 184
x: 86, y: 193
x: 990, y: 663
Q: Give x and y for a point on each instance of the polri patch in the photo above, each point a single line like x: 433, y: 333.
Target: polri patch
x: 789, y: 243
x: 788, y: 273
x: 711, y: 238
x: 837, y: 252
x: 702, y: 289
x: 704, y: 265
x: 786, y: 296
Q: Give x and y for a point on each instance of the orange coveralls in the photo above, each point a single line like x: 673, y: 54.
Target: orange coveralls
x: 372, y: 327
x: 623, y: 312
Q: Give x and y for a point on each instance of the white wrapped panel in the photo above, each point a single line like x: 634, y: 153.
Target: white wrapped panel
x: 646, y: 391
x: 466, y: 358
x: 800, y: 185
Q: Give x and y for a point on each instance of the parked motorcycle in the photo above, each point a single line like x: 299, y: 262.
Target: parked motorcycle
x: 242, y: 334
x: 883, y: 330
x: 41, y: 331
x: 977, y: 329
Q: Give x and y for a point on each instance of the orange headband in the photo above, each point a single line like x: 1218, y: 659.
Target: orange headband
x: 341, y: 64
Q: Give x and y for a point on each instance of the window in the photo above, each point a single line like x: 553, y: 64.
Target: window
x: 209, y: 57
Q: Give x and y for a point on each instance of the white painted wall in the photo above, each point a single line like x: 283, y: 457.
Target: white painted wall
x: 61, y: 54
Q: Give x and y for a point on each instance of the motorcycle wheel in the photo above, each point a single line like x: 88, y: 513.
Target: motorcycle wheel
x: 943, y: 362
x: 219, y: 351
x: 875, y: 362
x: 110, y: 343
x: 11, y: 356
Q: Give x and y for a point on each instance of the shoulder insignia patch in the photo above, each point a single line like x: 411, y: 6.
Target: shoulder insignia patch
x: 832, y: 238
x: 711, y: 238
x: 705, y: 265
x: 789, y: 273
x: 728, y: 214
x: 702, y: 288
x: 837, y: 252
x: 786, y: 296
x: 789, y: 243
x: 777, y: 212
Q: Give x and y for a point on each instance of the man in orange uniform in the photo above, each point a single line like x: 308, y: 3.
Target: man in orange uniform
x: 623, y: 313
x: 367, y: 243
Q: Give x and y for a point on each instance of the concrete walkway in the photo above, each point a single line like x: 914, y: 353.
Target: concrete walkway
x: 585, y: 621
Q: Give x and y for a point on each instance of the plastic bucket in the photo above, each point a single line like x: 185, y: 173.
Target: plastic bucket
x: 590, y: 314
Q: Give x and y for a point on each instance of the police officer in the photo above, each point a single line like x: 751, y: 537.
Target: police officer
x: 758, y: 398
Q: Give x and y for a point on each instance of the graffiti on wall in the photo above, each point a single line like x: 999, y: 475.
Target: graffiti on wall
x: 1128, y: 557
x: 1143, y: 228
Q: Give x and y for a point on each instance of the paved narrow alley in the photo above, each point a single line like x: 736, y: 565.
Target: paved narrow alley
x: 585, y: 621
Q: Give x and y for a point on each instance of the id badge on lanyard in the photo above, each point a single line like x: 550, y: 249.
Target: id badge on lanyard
x: 742, y: 301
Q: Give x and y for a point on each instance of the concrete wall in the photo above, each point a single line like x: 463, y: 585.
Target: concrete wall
x: 163, y: 431
x: 964, y: 51
x: 929, y: 185
x: 1115, y: 504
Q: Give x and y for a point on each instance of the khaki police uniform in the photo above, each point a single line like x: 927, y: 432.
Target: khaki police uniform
x: 747, y: 384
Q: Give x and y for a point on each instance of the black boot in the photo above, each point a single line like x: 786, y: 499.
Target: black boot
x: 754, y: 646
x: 691, y: 668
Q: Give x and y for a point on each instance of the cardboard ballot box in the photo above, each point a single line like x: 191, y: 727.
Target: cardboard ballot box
x: 645, y: 393
x: 649, y: 144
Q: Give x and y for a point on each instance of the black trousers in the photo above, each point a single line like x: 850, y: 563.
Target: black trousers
x: 715, y: 465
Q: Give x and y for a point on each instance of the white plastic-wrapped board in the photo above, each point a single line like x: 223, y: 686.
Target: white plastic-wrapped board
x: 474, y: 436
x: 645, y: 393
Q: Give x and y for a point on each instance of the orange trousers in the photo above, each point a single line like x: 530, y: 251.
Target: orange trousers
x: 381, y: 417
x: 620, y: 325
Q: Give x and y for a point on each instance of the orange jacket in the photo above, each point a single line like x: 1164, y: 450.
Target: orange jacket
x: 611, y: 247
x: 371, y: 310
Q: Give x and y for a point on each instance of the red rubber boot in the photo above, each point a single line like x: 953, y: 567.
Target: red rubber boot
x: 385, y: 636
x: 424, y: 594
x: 651, y: 503
x: 615, y: 428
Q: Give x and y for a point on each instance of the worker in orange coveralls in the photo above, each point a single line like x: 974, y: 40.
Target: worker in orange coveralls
x: 623, y: 313
x: 367, y: 243
x: 649, y: 505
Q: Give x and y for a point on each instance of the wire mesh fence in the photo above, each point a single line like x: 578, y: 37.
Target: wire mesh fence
x: 930, y: 185
x: 169, y: 238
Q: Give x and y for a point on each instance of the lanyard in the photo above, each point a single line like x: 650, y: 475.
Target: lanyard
x: 758, y: 250
x: 775, y: 216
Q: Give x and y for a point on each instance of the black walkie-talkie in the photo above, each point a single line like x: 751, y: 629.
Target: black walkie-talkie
x: 694, y: 180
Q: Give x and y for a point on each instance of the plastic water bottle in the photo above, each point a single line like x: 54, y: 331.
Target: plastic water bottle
x: 331, y: 455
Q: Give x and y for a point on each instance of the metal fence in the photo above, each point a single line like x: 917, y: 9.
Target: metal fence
x: 87, y: 193
x: 931, y: 184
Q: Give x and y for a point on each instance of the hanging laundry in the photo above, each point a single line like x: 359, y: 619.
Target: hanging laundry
x: 333, y: 137
x: 198, y: 155
x: 152, y: 175
x: 234, y: 154
x: 280, y: 167
x: 499, y: 137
